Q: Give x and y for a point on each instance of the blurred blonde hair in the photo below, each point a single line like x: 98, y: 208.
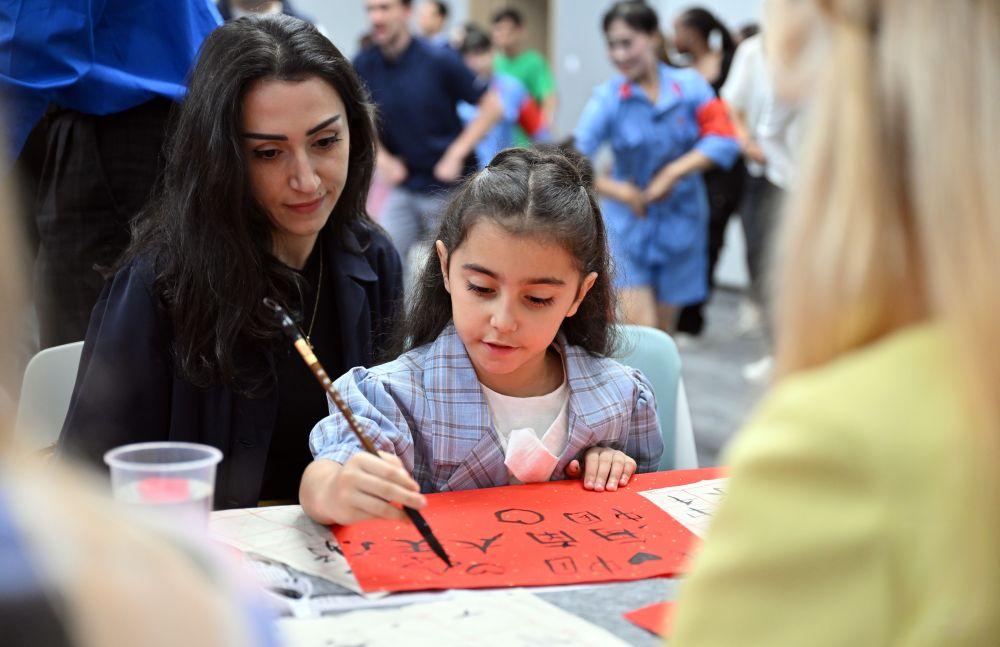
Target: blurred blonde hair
x: 12, y: 300
x: 895, y: 216
x: 115, y: 582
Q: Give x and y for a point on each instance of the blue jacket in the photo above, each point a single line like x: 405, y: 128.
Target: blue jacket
x: 127, y: 390
x: 428, y: 408
x: 96, y: 57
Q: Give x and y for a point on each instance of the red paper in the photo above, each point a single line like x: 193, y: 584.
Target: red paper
x: 656, y: 618
x: 526, y: 535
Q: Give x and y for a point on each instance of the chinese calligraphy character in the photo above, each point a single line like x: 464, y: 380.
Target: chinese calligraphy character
x: 562, y: 538
x: 631, y: 516
x: 582, y: 518
x: 486, y: 542
x: 519, y: 515
x: 623, y: 536
x: 561, y: 565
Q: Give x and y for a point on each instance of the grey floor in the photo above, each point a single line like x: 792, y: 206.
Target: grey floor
x: 719, y: 397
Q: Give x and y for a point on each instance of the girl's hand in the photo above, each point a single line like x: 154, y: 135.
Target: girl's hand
x: 604, y: 468
x: 366, y: 486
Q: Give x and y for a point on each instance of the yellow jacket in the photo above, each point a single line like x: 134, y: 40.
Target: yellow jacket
x: 849, y: 506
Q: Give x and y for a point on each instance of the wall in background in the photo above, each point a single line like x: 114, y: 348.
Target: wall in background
x: 576, y: 44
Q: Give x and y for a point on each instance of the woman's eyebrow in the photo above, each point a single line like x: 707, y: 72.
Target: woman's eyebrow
x: 282, y: 138
x: 323, y: 124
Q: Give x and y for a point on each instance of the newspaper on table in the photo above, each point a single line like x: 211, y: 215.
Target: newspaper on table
x: 693, y: 505
x: 509, y: 618
x: 285, y: 534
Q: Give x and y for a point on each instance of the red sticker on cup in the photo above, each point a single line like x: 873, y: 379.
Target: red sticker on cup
x: 159, y: 489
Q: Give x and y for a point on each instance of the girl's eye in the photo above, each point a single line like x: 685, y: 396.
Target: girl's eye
x: 539, y: 302
x: 478, y: 289
x: 326, y: 142
x: 266, y: 153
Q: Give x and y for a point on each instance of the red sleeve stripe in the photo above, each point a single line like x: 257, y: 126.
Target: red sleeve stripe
x: 531, y: 119
x: 713, y: 119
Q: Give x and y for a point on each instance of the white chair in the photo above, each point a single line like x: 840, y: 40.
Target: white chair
x: 45, y: 395
x: 654, y: 353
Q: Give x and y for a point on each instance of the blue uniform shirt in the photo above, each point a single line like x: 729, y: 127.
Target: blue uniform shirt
x: 512, y: 95
x: 644, y: 137
x: 417, y: 94
x: 95, y: 56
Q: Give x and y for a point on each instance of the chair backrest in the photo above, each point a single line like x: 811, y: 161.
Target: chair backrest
x: 45, y: 395
x: 654, y: 353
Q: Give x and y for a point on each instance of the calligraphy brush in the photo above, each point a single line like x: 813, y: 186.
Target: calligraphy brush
x: 307, y: 354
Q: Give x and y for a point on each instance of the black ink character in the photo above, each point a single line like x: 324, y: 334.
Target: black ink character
x: 519, y: 515
x: 365, y: 547
x: 631, y: 516
x: 430, y: 563
x: 623, y: 536
x: 582, y: 518
x: 418, y: 546
x: 561, y: 565
x: 695, y: 513
x: 486, y: 542
x: 485, y: 569
x: 604, y: 565
x: 559, y: 539
x: 639, y: 558
x: 320, y: 555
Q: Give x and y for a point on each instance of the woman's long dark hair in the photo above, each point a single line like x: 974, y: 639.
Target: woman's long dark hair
x: 545, y: 193
x: 705, y: 23
x: 209, y: 240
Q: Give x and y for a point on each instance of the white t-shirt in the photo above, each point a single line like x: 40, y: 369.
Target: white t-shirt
x: 748, y: 88
x: 778, y: 135
x: 533, y: 431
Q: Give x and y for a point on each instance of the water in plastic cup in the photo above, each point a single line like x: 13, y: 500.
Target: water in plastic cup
x: 175, y: 481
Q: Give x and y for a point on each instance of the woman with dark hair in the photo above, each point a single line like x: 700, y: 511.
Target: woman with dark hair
x: 694, y: 31
x: 263, y: 195
x: 665, y: 127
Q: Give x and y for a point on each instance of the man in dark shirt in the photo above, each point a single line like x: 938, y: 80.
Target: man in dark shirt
x: 423, y: 147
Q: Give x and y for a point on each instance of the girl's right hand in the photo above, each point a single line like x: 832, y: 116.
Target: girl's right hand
x: 366, y: 486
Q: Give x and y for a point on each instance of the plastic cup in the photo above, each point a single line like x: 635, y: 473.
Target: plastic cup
x: 172, y: 480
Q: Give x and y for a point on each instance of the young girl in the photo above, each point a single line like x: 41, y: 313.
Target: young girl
x: 507, y: 378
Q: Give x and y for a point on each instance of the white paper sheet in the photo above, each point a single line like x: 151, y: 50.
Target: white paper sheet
x: 504, y: 619
x: 693, y: 504
x: 285, y: 534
